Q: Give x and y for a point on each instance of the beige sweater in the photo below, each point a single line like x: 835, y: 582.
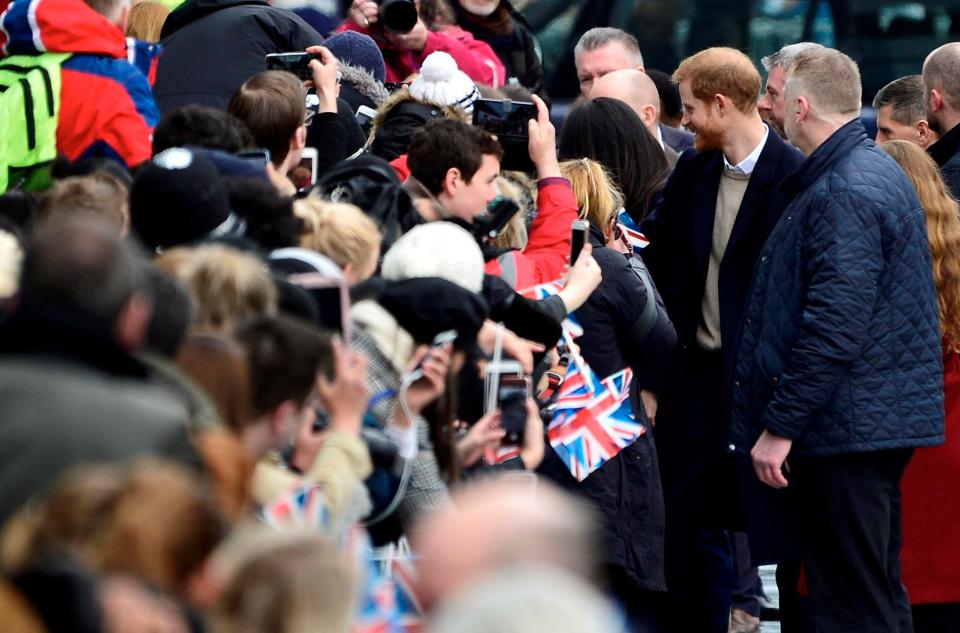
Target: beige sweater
x: 340, y: 468
x: 729, y: 196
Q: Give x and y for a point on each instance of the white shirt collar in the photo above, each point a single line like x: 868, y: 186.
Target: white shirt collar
x: 659, y: 136
x: 747, y: 165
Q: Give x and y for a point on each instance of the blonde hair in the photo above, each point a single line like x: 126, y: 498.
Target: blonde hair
x: 514, y: 234
x: 289, y: 582
x: 100, y: 193
x: 725, y: 71
x: 943, y: 232
x: 598, y: 197
x: 829, y: 79
x: 227, y: 287
x: 339, y: 231
x: 146, y: 20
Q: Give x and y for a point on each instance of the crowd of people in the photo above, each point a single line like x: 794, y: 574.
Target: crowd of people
x: 306, y: 332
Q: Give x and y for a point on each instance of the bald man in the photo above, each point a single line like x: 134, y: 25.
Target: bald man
x: 637, y: 90
x: 941, y: 98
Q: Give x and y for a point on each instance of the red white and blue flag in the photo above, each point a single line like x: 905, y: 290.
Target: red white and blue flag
x: 538, y: 293
x: 631, y: 231
x: 303, y: 507
x: 594, y: 418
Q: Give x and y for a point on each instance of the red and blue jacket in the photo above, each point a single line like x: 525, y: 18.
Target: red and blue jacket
x: 106, y: 103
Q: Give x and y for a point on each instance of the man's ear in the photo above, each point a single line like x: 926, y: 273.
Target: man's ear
x: 299, y: 140
x: 925, y: 136
x: 133, y: 322
x: 936, y: 100
x: 722, y: 103
x: 802, y: 109
x: 648, y: 114
x: 452, y: 181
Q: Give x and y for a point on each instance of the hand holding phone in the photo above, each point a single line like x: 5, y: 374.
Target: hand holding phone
x: 325, y: 73
x: 543, y: 143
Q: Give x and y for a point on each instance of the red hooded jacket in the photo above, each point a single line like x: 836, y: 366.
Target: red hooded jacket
x: 474, y: 57
x: 107, y: 107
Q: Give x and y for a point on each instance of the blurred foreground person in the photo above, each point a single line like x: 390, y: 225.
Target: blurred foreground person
x: 70, y: 389
x: 528, y: 599
x: 545, y: 527
x: 290, y: 582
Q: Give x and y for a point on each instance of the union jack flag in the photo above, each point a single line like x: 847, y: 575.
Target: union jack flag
x: 303, y: 506
x: 594, y: 418
x: 538, y: 293
x: 631, y: 230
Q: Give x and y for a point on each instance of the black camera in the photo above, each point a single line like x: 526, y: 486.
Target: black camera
x: 399, y: 16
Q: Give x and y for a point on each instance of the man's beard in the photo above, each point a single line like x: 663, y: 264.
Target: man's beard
x: 708, y: 137
x: 936, y: 123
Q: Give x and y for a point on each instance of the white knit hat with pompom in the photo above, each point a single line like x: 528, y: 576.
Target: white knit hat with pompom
x: 441, y: 83
x: 436, y: 249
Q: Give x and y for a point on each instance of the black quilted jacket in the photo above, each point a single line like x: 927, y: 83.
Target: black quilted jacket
x: 840, y: 342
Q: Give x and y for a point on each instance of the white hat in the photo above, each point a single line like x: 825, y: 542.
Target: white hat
x: 436, y: 249
x: 441, y: 83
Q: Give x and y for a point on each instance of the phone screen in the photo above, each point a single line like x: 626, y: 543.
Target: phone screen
x: 512, y: 395
x: 504, y: 118
x: 578, y: 238
x: 297, y: 63
x: 304, y: 175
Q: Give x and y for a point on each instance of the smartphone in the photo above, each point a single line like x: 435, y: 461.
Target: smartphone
x: 296, y: 63
x: 508, y: 121
x: 304, y: 175
x: 365, y: 116
x: 578, y: 238
x: 493, y: 373
x: 512, y: 394
x: 441, y: 339
x: 504, y: 118
x: 332, y: 298
x: 258, y: 155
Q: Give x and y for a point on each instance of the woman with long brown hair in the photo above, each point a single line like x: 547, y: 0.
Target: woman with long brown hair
x: 931, y: 510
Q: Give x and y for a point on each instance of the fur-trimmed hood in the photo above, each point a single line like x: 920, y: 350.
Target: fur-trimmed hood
x: 364, y: 83
x: 399, y: 117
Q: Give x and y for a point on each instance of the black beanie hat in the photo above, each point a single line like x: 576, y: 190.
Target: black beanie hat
x: 427, y: 306
x: 177, y: 198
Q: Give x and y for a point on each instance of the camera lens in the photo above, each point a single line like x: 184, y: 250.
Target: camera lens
x: 399, y: 16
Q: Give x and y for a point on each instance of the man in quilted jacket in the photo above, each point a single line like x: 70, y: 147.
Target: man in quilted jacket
x: 838, y: 375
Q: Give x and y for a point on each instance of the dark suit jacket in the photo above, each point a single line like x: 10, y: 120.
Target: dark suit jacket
x: 680, y: 231
x: 679, y: 140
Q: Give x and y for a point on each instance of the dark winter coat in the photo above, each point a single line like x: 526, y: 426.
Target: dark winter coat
x: 840, y: 348
x: 680, y: 231
x: 70, y: 395
x: 626, y: 490
x: 946, y: 153
x: 210, y: 47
